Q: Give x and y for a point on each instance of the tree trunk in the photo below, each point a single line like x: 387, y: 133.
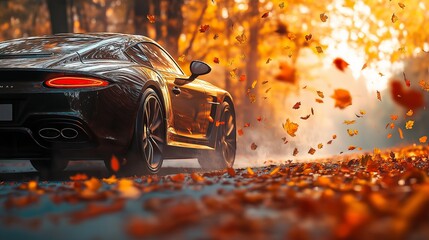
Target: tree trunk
x: 174, y: 26
x: 141, y: 10
x: 59, y: 17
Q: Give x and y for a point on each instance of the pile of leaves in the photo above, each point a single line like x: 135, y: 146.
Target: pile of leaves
x: 384, y: 194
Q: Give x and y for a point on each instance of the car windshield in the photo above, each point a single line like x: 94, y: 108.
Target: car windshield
x: 48, y: 45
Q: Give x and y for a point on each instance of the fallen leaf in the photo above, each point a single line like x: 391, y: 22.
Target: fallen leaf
x: 342, y: 98
x: 340, y: 64
x: 250, y: 171
x: 93, y: 184
x: 197, y: 177
x: 231, y: 171
x: 423, y: 139
x: 297, y: 105
x: 275, y: 170
x: 111, y: 180
x: 290, y: 127
x: 180, y: 177
x: 323, y: 17
x: 79, y: 177
x: 127, y: 189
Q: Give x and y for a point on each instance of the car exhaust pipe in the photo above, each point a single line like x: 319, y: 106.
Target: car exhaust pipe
x: 69, y: 133
x: 49, y: 133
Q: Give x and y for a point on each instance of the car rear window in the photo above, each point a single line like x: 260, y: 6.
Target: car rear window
x: 57, y: 45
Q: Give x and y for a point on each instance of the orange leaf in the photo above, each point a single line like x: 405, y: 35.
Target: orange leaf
x: 311, y: 151
x: 216, y: 60
x: 290, y: 127
x: 197, y: 177
x: 410, y: 113
x: 114, y: 163
x: 275, y: 170
x: 265, y: 15
x: 401, y: 5
x: 79, y: 177
x: 320, y: 93
x: 318, y: 100
x: 340, y: 64
x: 349, y: 122
x: 319, y: 146
x: 151, y: 18
x: 389, y: 135
x: 178, y: 178
x: 342, y: 98
x: 204, y: 28
x: 295, y: 151
x: 378, y: 95
x: 394, y: 117
x: 365, y: 65
x: 409, y: 124
x: 401, y: 134
x: 259, y: 118
x: 394, y: 18
x: 240, y: 132
x: 247, y: 125
x: 242, y: 77
x: 250, y: 171
x: 323, y: 17
x: 423, y: 139
x: 334, y: 136
x: 306, y: 117
x: 308, y: 37
x: 231, y: 172
x: 111, y: 180
x: 351, y: 148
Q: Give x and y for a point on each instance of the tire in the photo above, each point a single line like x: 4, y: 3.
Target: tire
x: 224, y: 154
x: 49, y: 166
x: 146, y: 152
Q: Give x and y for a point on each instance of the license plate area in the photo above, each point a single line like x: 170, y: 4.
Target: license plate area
x: 6, y: 112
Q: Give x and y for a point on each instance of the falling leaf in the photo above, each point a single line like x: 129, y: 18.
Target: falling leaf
x: 389, y: 135
x: 253, y: 146
x: 290, y: 127
x: 401, y: 5
x: 306, y: 117
x: 394, y: 117
x: 254, y: 83
x: 231, y: 171
x: 308, y: 37
x: 216, y: 60
x: 334, y: 136
x: 250, y: 171
x: 312, y: 111
x: 247, y: 125
x: 365, y: 65
x: 114, y: 163
x: 352, y: 132
x: 378, y: 95
x: 242, y: 77
x: 323, y: 17
x: 218, y: 123
x: 381, y: 74
x: 394, y: 18
x: 319, y: 49
x: 401, y: 134
x: 268, y: 60
x: 342, y: 98
x: 349, y: 122
x: 181, y: 58
x: 407, y: 81
x: 282, y: 5
x: 320, y: 146
x: 265, y: 15
x: 266, y: 91
x: 320, y: 94
x: 241, y: 38
x: 204, y: 28
x: 311, y: 151
x: 259, y: 118
x: 410, y: 113
x: 318, y: 100
x: 216, y: 36
x: 329, y: 142
x: 392, y: 125
x: 409, y: 124
x: 295, y: 152
x: 151, y: 18
x: 79, y: 177
x: 240, y: 132
x: 291, y: 36
x: 424, y: 85
x: 297, y: 105
x: 423, y: 139
x: 340, y: 64
x: 351, y: 148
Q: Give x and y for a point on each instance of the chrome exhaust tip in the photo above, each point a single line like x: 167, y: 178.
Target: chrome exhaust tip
x: 49, y: 133
x: 69, y: 133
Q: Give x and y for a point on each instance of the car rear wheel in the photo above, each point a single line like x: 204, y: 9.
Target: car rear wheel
x: 224, y: 154
x: 146, y: 153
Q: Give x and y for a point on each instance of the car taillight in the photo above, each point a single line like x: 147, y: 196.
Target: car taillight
x: 75, y: 82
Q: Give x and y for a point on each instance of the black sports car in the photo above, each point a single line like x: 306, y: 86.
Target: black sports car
x: 93, y: 96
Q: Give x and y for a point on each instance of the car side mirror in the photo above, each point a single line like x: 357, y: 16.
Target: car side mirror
x: 197, y: 68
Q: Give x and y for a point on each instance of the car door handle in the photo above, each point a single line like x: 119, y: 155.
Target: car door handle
x: 176, y: 90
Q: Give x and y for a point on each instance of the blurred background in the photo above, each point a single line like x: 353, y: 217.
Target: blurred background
x: 272, y: 54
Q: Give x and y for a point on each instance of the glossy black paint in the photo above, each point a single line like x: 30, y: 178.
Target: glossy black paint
x: 104, y: 117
